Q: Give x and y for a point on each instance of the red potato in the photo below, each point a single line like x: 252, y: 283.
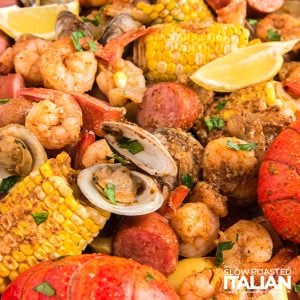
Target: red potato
x: 279, y: 181
x: 148, y: 239
x: 10, y: 85
x: 169, y: 104
x: 96, y: 111
x: 91, y: 276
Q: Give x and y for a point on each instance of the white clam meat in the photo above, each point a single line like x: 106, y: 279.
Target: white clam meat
x: 145, y: 194
x: 20, y: 151
x: 152, y: 157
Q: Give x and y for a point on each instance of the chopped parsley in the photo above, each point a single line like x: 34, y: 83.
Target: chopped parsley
x: 214, y: 122
x: 5, y: 100
x: 41, y: 217
x: 76, y: 36
x: 187, y: 180
x: 8, y: 183
x: 92, y: 45
x: 110, y: 192
x: 149, y: 277
x: 221, y: 105
x: 120, y: 159
x: 273, y: 35
x: 297, y: 288
x: 45, y: 288
x: 219, y: 254
x: 95, y: 21
x: 252, y: 22
x: 239, y: 147
x: 133, y: 146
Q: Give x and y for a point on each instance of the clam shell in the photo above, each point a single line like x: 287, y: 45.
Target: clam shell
x: 148, y: 201
x: 155, y: 159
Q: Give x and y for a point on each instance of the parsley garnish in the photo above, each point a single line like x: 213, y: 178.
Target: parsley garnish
x: 297, y: 288
x: 110, y: 192
x: 149, y: 277
x: 40, y: 217
x: 219, y: 254
x: 5, y: 100
x: 120, y: 159
x: 92, y: 45
x: 239, y: 147
x: 187, y: 180
x: 133, y: 146
x: 252, y: 22
x: 214, y: 122
x: 221, y: 105
x: 76, y: 35
x: 45, y: 288
x: 273, y: 35
x: 95, y: 21
x: 8, y: 183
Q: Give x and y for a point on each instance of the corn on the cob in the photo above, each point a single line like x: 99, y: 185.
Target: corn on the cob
x: 176, y: 49
x: 68, y: 225
x: 165, y: 11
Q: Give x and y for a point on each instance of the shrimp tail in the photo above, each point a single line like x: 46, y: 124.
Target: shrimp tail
x: 113, y: 50
x: 38, y: 94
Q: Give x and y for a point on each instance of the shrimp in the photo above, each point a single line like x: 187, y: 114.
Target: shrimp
x: 65, y: 69
x: 290, y: 76
x: 197, y: 226
x: 285, y: 25
x: 252, y: 243
x: 56, y: 120
x: 126, y: 81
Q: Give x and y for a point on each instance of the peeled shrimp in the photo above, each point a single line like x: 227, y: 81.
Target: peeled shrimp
x: 197, y: 226
x: 252, y: 243
x: 56, y: 120
x: 65, y: 69
x: 118, y: 92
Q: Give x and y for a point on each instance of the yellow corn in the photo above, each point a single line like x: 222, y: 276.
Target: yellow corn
x: 68, y: 228
x: 166, y: 11
x: 176, y: 49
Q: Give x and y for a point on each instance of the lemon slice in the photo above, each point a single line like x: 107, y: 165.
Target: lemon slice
x: 275, y: 294
x: 36, y: 20
x: 243, y: 67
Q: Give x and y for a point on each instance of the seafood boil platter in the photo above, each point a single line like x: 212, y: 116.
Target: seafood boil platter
x: 149, y: 149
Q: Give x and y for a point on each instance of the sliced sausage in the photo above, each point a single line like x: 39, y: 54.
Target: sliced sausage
x: 10, y: 84
x: 14, y: 111
x: 96, y: 111
x: 262, y: 7
x: 150, y: 240
x: 169, y: 104
x: 4, y: 3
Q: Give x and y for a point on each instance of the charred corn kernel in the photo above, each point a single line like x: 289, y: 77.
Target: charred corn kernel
x: 174, y: 11
x: 175, y: 50
x: 120, y: 79
x: 63, y: 231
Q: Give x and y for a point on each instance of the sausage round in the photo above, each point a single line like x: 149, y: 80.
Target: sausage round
x: 169, y: 104
x: 150, y: 240
x: 262, y: 7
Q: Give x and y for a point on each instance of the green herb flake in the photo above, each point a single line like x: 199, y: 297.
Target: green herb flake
x: 187, y: 180
x: 76, y: 36
x: 110, y: 192
x: 149, y: 277
x: 133, y: 146
x: 41, y: 217
x: 252, y: 22
x: 5, y: 100
x: 214, y: 122
x: 8, y: 183
x: 241, y: 147
x: 221, y: 105
x: 45, y: 288
x: 273, y: 35
x: 219, y: 254
x: 95, y: 21
x: 92, y: 45
x: 120, y: 159
x: 297, y: 288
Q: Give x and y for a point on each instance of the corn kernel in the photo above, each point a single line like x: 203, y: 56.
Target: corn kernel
x: 120, y: 79
x: 4, y: 272
x: 69, y: 227
x: 26, y: 249
x: 23, y: 267
x: 67, y: 213
x: 13, y: 275
x: 46, y: 170
x: 18, y: 256
x: 91, y: 226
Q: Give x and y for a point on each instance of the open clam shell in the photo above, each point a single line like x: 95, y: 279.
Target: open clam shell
x: 20, y: 151
x: 154, y: 159
x: 147, y: 200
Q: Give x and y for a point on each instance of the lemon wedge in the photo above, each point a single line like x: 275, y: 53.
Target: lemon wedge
x: 243, y: 67
x: 35, y: 20
x: 275, y: 294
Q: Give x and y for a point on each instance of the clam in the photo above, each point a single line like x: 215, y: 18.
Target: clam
x: 20, y: 151
x: 117, y: 189
x: 140, y: 147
